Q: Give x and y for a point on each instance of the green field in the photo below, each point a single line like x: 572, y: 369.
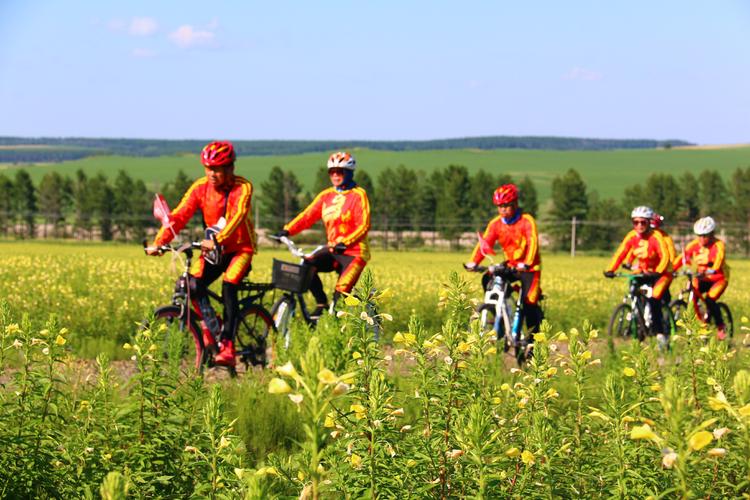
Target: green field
x: 607, y: 172
x: 433, y: 410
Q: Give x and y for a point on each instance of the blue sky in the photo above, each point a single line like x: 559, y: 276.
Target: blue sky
x: 376, y: 70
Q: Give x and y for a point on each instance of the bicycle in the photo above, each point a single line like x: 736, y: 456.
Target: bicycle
x: 633, y: 317
x: 294, y: 280
x: 255, y: 328
x: 679, y: 306
x: 495, y: 311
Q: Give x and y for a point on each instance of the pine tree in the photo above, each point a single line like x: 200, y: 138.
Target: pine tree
x: 7, y: 213
x: 53, y: 200
x: 280, y: 197
x: 528, y: 198
x: 25, y: 206
x: 569, y: 199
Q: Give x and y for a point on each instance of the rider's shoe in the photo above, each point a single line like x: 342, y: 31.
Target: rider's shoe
x: 721, y: 332
x: 226, y: 356
x: 662, y: 341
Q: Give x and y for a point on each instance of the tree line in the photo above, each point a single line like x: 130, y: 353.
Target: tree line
x: 406, y: 203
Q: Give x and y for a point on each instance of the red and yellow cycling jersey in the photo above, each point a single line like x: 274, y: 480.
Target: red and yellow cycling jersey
x: 238, y: 234
x: 519, y: 240
x: 651, y: 251
x: 709, y: 257
x: 346, y: 217
x: 670, y: 248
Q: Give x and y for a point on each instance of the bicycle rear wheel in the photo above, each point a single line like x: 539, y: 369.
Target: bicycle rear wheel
x: 179, y: 336
x: 621, y: 324
x: 254, y: 338
x: 282, y: 313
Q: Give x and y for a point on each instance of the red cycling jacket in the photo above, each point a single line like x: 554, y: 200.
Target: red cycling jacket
x: 346, y: 216
x: 652, y: 252
x: 707, y: 258
x: 519, y: 239
x: 233, y: 204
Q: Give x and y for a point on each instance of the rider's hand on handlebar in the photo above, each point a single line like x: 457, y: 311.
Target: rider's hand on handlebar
x: 520, y: 266
x: 153, y: 251
x: 470, y: 266
x: 609, y: 274
x: 281, y: 234
x: 207, y: 245
x: 339, y: 248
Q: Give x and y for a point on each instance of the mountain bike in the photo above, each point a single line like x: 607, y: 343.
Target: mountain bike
x: 633, y: 318
x: 679, y: 306
x: 255, y: 328
x: 294, y: 280
x: 502, y: 310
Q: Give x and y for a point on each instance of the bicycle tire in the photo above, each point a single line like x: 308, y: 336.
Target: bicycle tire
x: 487, y: 322
x: 255, y: 336
x: 621, y: 322
x: 679, y: 309
x: 171, y: 317
x: 726, y: 314
x: 642, y: 331
x: 282, y: 313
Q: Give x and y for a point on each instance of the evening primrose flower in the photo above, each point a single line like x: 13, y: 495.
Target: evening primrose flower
x: 527, y: 457
x: 351, y: 301
x: 644, y: 432
x: 60, y: 340
x: 512, y: 452
x: 356, y: 460
x: 540, y: 337
x: 700, y: 439
x: 279, y: 386
x: 327, y: 377
x: 628, y: 372
x: 719, y: 402
x: 745, y: 410
x: 287, y: 370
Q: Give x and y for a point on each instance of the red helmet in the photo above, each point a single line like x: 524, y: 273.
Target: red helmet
x: 218, y: 154
x: 656, y: 221
x: 507, y: 193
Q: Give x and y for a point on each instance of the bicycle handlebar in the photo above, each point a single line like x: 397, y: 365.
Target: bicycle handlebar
x: 294, y: 249
x: 162, y: 249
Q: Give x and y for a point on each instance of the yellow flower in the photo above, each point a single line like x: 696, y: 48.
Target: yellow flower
x: 745, y: 410
x: 60, y: 340
x: 643, y: 432
x: 719, y: 402
x: 329, y: 422
x: 505, y: 387
x: 711, y: 381
x: 496, y: 401
x: 356, y: 460
x: 490, y: 351
x: 628, y: 372
x: 586, y: 355
x: 552, y: 393
x: 540, y: 337
x: 655, y: 387
x: 351, y: 301
x: 271, y: 471
x: 599, y: 415
x: 278, y: 386
x: 357, y: 355
x: 527, y: 457
x: 551, y: 372
x: 287, y: 370
x: 593, y: 334
x: 561, y: 337
x: 127, y: 346
x: 327, y: 377
x: 512, y: 452
x: 700, y: 439
x: 463, y: 347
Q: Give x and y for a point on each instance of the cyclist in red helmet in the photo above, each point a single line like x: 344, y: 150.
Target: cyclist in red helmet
x: 345, y: 211
x: 224, y: 200
x: 516, y: 233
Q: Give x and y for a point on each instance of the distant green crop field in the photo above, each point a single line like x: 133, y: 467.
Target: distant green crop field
x: 607, y: 172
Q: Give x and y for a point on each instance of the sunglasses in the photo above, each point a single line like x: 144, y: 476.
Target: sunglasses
x: 335, y: 171
x: 640, y: 222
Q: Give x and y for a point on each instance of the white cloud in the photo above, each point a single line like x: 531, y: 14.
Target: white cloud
x: 143, y: 26
x: 142, y: 53
x: 579, y: 73
x: 186, y: 36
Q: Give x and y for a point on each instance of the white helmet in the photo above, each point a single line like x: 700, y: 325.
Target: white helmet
x: 704, y: 226
x: 642, y: 212
x: 342, y: 159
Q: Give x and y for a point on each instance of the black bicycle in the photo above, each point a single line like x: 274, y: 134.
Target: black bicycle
x: 633, y: 318
x: 255, y: 331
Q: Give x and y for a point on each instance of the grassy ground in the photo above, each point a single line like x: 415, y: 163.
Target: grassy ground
x: 100, y: 290
x: 607, y: 172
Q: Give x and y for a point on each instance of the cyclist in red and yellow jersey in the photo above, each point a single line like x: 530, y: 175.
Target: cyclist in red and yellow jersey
x: 516, y: 233
x: 345, y: 211
x: 708, y: 252
x: 656, y: 224
x: 224, y: 200
x: 651, y: 250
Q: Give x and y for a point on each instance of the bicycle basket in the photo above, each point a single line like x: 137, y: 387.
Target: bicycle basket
x: 291, y: 277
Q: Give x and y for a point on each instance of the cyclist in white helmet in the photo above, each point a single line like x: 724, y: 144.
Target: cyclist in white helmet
x: 708, y: 252
x: 345, y: 211
x: 652, y: 251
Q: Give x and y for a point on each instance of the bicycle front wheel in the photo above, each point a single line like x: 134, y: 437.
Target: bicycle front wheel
x: 726, y: 315
x: 621, y: 324
x: 180, y: 336
x: 281, y: 313
x: 487, y: 319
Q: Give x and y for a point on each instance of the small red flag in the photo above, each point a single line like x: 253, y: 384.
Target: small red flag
x: 161, y: 210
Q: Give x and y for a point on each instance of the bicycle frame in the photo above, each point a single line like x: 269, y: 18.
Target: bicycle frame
x: 497, y: 295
